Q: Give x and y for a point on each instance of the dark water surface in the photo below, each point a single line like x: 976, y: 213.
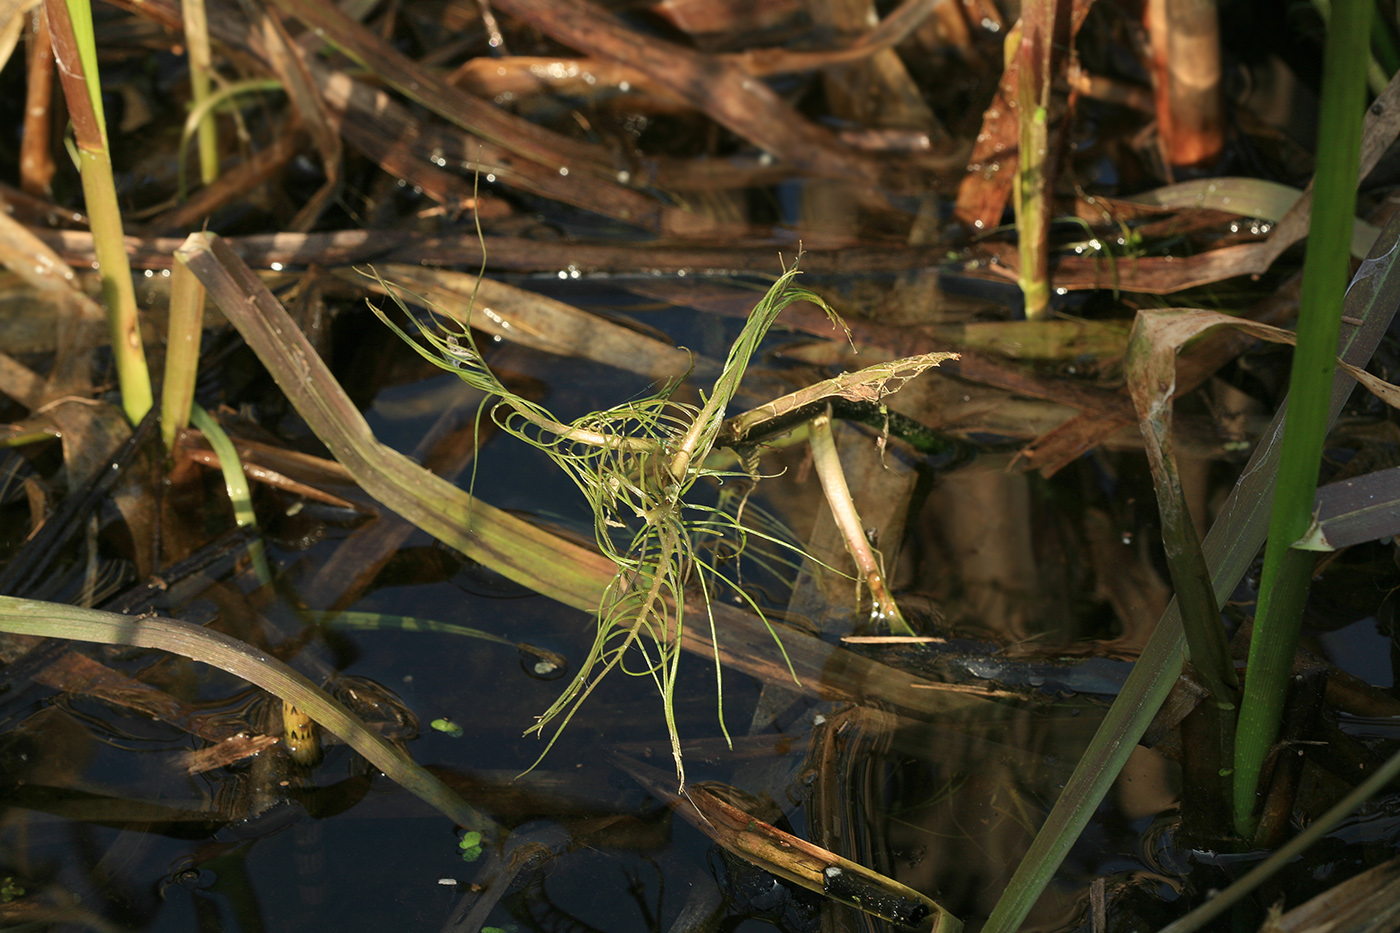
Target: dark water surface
x: 946, y: 805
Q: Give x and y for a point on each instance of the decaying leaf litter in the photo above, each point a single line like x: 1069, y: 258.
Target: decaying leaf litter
x: 692, y: 155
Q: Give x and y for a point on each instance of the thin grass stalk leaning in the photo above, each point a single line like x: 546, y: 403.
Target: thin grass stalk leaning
x: 1287, y: 570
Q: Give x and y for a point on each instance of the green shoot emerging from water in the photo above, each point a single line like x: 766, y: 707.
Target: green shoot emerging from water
x: 636, y: 463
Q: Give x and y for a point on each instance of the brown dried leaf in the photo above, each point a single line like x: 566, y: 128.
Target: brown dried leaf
x: 870, y: 384
x: 719, y: 88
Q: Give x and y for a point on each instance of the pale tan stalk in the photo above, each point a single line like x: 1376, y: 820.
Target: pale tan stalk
x: 181, y: 351
x: 843, y: 509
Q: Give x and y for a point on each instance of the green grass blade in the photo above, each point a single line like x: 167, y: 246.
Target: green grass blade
x: 1283, y: 586
x: 236, y: 483
x: 1229, y: 548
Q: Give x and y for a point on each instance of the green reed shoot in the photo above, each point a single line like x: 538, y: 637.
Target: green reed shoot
x: 75, y: 48
x: 636, y: 464
x: 1287, y: 571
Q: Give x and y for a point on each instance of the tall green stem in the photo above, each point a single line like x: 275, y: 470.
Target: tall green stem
x: 1284, y: 584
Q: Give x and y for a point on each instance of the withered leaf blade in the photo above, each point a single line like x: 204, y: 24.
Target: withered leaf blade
x: 796, y: 860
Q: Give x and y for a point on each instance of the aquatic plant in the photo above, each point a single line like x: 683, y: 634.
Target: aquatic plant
x: 636, y: 464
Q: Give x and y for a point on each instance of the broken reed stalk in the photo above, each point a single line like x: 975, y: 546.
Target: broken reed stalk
x: 1287, y: 572
x: 1032, y: 42
x: 181, y: 351
x: 838, y: 495
x: 75, y: 50
x: 201, y: 65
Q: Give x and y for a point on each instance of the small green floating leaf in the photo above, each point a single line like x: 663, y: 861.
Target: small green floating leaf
x: 448, y: 726
x: 470, y: 846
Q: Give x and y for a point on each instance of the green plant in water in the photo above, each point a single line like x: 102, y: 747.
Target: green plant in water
x: 636, y: 464
x: 1283, y: 585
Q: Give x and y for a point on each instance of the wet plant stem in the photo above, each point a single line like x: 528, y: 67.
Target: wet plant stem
x: 75, y: 51
x: 1287, y: 571
x: 838, y: 495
